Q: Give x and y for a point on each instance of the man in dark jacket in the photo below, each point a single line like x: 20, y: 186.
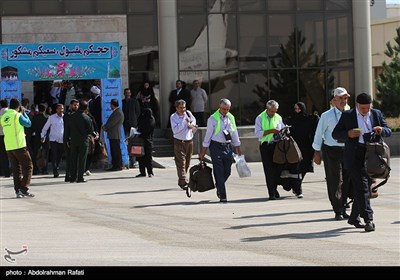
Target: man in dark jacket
x: 78, y: 127
x: 354, y: 128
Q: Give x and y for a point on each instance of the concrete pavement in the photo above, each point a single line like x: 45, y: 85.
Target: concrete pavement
x: 117, y: 220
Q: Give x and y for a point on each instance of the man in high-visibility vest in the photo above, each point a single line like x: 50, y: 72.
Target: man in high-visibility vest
x: 13, y: 122
x: 221, y: 138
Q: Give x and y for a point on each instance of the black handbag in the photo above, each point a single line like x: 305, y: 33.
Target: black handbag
x: 200, y: 178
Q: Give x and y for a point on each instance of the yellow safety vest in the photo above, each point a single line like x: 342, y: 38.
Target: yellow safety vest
x: 14, y: 134
x: 217, y: 117
x: 269, y: 123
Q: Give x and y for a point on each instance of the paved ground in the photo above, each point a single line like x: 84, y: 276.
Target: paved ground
x: 117, y: 220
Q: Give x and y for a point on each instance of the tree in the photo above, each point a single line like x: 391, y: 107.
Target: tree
x: 387, y: 97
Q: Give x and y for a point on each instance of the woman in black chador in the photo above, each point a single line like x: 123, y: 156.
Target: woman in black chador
x: 146, y: 125
x: 302, y: 130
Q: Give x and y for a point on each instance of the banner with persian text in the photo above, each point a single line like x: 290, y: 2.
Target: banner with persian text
x: 60, y: 61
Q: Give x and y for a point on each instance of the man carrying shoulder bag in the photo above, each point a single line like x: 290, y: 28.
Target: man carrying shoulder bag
x: 353, y: 129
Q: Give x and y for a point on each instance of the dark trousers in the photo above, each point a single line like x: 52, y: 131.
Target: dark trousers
x: 78, y: 154
x: 271, y: 169
x: 337, y: 180
x: 183, y: 151
x: 146, y: 161
x: 22, y: 167
x: 360, y: 182
x: 4, y: 162
x: 116, y: 156
x: 57, y: 150
x: 221, y: 156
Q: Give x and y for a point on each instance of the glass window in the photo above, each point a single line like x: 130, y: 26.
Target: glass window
x: 217, y: 6
x: 337, y: 5
x: 225, y: 85
x: 16, y: 7
x: 47, y: 7
x: 252, y: 41
x: 111, y: 7
x: 190, y: 6
x: 339, y: 40
x: 283, y: 88
x: 312, y: 39
x: 252, y: 96
x: 142, y: 42
x: 223, y: 41
x: 80, y: 7
x: 281, y: 31
x: 192, y: 42
x: 307, y: 5
x: 281, y: 5
x: 312, y: 89
x: 251, y: 5
x: 141, y: 6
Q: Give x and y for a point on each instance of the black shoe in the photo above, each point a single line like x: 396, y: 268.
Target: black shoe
x: 81, y: 181
x: 45, y: 173
x: 27, y: 194
x: 369, y: 226
x: 338, y: 217
x: 67, y: 179
x: 151, y: 175
x: 56, y: 174
x: 114, y: 169
x: 223, y: 200
x: 345, y: 215
x: 356, y: 223
x: 277, y: 195
x: 140, y: 175
x: 218, y: 195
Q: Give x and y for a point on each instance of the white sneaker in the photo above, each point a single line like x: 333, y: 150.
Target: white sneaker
x: 87, y: 173
x: 300, y: 196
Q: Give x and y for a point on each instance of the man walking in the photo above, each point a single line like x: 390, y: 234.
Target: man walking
x: 354, y: 129
x: 182, y: 124
x: 221, y: 137
x: 332, y: 154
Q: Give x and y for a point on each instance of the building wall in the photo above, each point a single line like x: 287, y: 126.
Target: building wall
x: 382, y: 31
x: 36, y: 29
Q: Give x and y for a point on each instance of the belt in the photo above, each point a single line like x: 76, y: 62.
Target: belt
x: 361, y: 145
x: 220, y: 143
x: 182, y: 141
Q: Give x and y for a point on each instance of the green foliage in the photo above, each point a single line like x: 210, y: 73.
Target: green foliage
x: 388, y: 83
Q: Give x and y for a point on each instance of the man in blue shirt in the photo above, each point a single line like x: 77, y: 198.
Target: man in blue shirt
x: 332, y: 154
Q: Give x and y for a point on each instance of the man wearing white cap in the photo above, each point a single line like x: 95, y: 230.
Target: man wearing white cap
x: 332, y: 151
x: 95, y: 105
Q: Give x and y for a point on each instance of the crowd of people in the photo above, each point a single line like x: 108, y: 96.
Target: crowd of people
x: 337, y: 138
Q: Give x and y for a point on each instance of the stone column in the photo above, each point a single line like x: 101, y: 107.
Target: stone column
x: 168, y: 53
x: 362, y: 47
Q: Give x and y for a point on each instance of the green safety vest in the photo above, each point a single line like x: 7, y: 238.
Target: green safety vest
x: 217, y: 117
x: 269, y: 123
x: 14, y: 134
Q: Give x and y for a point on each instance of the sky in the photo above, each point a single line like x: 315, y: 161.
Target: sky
x: 392, y: 1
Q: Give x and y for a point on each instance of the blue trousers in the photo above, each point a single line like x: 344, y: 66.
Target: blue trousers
x: 221, y: 156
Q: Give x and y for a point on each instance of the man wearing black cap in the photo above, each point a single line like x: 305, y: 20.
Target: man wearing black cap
x: 353, y: 128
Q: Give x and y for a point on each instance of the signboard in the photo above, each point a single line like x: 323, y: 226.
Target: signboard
x: 60, y: 61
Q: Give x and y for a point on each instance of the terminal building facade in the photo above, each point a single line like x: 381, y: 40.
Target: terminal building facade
x: 249, y: 51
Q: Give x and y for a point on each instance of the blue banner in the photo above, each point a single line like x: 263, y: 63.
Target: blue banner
x: 10, y: 89
x: 111, y: 89
x: 60, y: 61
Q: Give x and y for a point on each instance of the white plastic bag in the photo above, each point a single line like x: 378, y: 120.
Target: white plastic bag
x: 241, y: 166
